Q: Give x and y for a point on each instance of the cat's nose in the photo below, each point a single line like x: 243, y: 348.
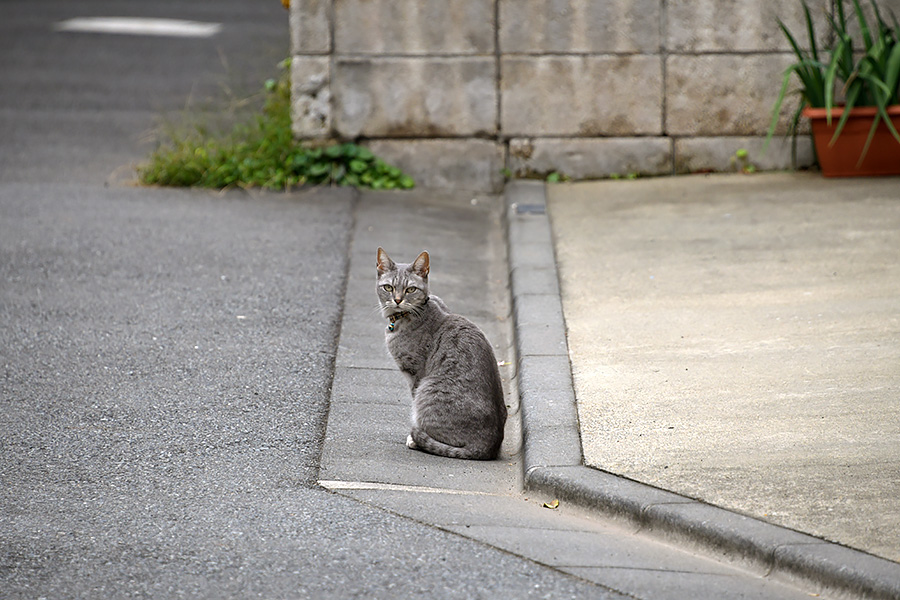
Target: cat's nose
x: 398, y: 301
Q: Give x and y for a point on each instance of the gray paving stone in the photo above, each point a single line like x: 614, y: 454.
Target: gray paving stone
x: 676, y: 585
x: 520, y: 191
x: 532, y: 255
x: 549, y: 446
x: 361, y: 348
x: 529, y: 229
x: 380, y: 386
x: 367, y: 442
x: 548, y: 399
x: 533, y: 280
x: 493, y: 510
x: 588, y: 549
x: 539, y: 326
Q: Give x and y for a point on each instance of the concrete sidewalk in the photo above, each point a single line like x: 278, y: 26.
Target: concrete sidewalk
x: 365, y: 456
x: 734, y: 340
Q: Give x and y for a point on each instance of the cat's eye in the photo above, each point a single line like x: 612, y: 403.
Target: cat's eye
x: 387, y: 288
x: 412, y: 290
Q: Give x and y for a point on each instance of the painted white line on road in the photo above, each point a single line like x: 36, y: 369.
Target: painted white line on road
x: 140, y: 26
x: 391, y: 487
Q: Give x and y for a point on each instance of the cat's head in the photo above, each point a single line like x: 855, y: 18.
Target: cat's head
x: 402, y: 288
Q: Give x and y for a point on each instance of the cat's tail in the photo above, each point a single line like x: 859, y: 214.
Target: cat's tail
x: 420, y: 440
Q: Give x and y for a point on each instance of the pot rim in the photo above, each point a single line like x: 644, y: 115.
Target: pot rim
x: 861, y: 111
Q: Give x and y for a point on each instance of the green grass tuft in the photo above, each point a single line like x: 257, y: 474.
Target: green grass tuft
x: 262, y: 152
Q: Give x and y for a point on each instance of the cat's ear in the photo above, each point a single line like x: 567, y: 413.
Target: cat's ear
x: 385, y: 263
x: 420, y: 265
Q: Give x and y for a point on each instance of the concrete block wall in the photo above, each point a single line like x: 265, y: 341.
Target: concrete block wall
x: 457, y: 91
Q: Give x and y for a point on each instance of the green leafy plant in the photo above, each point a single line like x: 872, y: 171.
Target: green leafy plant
x: 865, y: 76
x: 741, y: 160
x: 263, y: 153
x: 557, y: 177
x: 629, y: 176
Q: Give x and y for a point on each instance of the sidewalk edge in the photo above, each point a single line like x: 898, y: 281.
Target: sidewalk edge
x: 553, y: 461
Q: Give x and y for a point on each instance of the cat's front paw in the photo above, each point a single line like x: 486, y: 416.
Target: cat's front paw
x: 410, y: 443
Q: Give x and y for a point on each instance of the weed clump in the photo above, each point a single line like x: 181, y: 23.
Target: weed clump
x: 262, y: 152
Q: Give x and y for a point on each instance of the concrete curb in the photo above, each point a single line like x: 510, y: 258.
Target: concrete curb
x: 553, y: 461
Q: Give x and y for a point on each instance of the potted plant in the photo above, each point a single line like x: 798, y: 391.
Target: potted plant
x: 857, y: 136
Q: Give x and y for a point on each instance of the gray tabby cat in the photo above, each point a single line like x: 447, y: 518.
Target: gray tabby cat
x: 458, y: 408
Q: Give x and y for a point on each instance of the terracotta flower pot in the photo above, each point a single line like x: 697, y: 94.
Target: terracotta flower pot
x: 842, y: 159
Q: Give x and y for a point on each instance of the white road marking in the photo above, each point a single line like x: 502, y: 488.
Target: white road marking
x: 140, y: 26
x: 391, y: 487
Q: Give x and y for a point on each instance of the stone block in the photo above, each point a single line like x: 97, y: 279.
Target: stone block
x: 579, y: 26
x: 534, y: 255
x: 528, y: 227
x: 414, y: 27
x: 697, y: 155
x: 548, y: 398
x: 415, y: 97
x: 528, y: 280
x: 311, y: 96
x: 592, y: 158
x: 589, y: 96
x: 597, y: 490
x: 740, y: 537
x: 721, y: 95
x: 540, y: 326
x: 525, y: 192
x: 839, y: 569
x: 310, y: 24
x: 473, y: 165
x: 716, y: 26
x: 552, y: 446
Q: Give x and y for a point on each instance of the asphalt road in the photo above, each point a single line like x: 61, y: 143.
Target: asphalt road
x: 166, y: 355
